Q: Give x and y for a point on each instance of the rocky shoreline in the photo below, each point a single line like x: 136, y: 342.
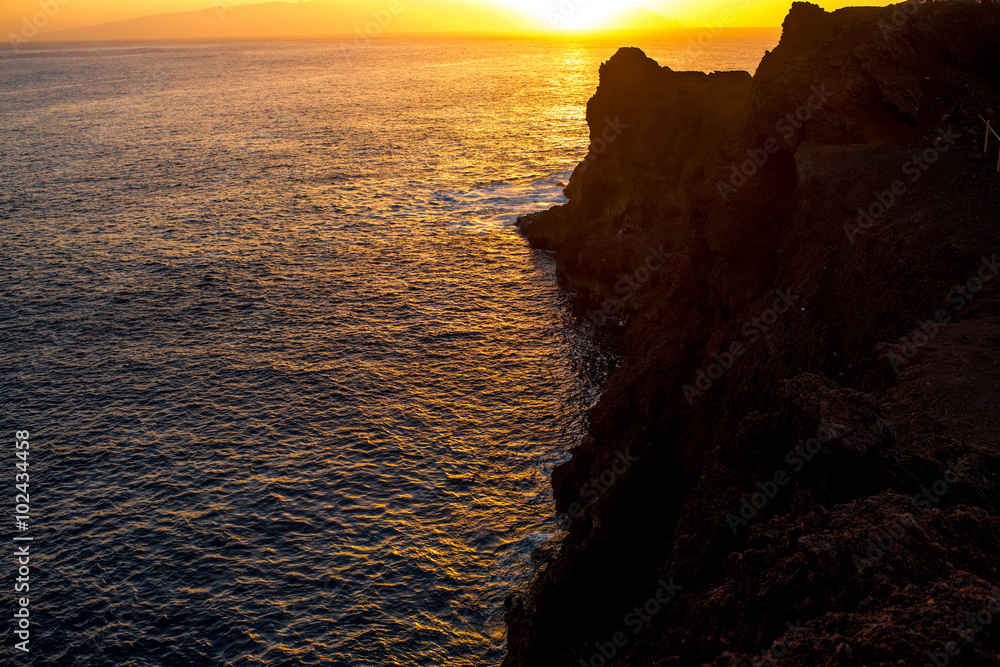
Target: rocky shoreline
x: 801, y: 450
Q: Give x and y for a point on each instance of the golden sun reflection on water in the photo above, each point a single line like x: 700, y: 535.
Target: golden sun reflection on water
x: 277, y: 297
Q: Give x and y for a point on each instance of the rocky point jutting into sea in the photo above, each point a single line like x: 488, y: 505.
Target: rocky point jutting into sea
x: 798, y: 462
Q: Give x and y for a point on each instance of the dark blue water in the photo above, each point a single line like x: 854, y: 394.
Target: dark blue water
x: 294, y: 383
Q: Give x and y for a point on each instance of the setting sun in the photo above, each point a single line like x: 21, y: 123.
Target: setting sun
x: 440, y: 333
x: 52, y: 20
x: 570, y: 16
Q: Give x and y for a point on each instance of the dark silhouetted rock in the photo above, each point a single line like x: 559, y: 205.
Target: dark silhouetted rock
x: 788, y: 345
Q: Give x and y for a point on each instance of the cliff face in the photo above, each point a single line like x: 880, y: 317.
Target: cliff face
x: 805, y: 432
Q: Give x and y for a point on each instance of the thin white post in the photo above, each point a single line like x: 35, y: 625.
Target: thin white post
x: 986, y: 144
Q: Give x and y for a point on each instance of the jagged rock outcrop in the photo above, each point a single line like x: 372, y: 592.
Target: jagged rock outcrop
x: 810, y: 400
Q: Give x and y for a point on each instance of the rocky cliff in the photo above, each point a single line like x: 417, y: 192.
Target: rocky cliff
x: 798, y: 462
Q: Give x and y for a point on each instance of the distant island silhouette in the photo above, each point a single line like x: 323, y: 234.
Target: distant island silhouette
x: 328, y: 18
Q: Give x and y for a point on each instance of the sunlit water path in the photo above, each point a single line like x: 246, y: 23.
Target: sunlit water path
x: 295, y: 384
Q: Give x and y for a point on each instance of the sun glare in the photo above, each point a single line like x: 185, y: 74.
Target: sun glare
x: 591, y: 17
x: 570, y: 15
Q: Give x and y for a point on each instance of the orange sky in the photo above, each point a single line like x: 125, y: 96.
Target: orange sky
x: 51, y: 15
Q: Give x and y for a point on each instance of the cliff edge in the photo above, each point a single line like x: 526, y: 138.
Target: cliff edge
x: 798, y: 462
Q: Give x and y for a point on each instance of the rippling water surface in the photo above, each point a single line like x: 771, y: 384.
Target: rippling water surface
x: 295, y: 385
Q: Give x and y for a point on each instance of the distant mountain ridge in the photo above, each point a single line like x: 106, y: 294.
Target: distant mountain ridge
x: 330, y: 18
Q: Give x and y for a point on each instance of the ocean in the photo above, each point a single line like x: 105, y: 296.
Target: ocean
x: 294, y: 383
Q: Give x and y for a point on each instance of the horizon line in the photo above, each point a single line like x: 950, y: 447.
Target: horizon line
x: 482, y: 34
